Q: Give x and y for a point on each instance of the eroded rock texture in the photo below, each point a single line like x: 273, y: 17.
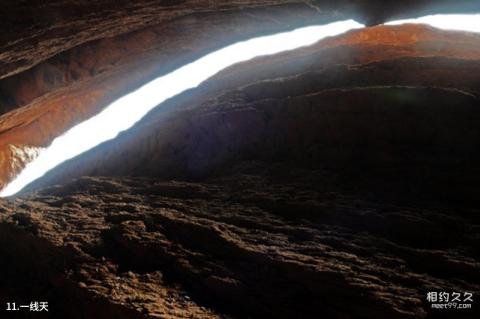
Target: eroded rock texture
x: 76, y: 83
x: 334, y: 181
x: 61, y: 62
x: 396, y: 101
x: 284, y: 243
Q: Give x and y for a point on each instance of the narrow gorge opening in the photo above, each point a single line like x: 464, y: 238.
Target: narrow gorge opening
x: 299, y: 164
x: 126, y: 111
x: 120, y: 115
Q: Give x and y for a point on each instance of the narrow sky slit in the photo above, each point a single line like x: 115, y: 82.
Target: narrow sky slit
x: 129, y: 109
x: 459, y: 22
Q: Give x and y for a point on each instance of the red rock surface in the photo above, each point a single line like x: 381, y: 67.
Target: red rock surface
x: 35, y: 30
x: 77, y: 97
x: 341, y: 175
x: 334, y: 181
x: 62, y: 62
x: 285, y: 243
x: 304, y: 102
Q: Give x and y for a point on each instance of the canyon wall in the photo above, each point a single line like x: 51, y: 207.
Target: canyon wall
x: 62, y: 62
x: 336, y: 181
x: 393, y: 100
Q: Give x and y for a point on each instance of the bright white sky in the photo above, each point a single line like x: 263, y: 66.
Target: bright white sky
x: 459, y: 22
x: 129, y: 109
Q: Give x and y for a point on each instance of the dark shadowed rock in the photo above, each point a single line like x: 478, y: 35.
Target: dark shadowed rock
x: 338, y: 181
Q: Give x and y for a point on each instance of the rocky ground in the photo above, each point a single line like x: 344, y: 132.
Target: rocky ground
x: 256, y: 242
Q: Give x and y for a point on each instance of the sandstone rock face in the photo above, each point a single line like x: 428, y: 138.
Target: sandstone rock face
x: 34, y: 31
x: 335, y: 181
x: 77, y: 83
x: 393, y: 100
x: 278, y: 243
x: 62, y: 62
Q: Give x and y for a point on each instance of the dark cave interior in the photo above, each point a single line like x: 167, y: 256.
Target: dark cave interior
x: 338, y: 180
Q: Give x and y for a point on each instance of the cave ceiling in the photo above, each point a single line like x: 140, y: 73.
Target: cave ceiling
x: 61, y: 62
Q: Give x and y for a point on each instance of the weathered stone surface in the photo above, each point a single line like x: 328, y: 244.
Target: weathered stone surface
x: 73, y: 86
x: 335, y: 181
x: 62, y: 62
x: 34, y: 30
x: 47, y: 117
x: 261, y: 242
x: 391, y: 99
